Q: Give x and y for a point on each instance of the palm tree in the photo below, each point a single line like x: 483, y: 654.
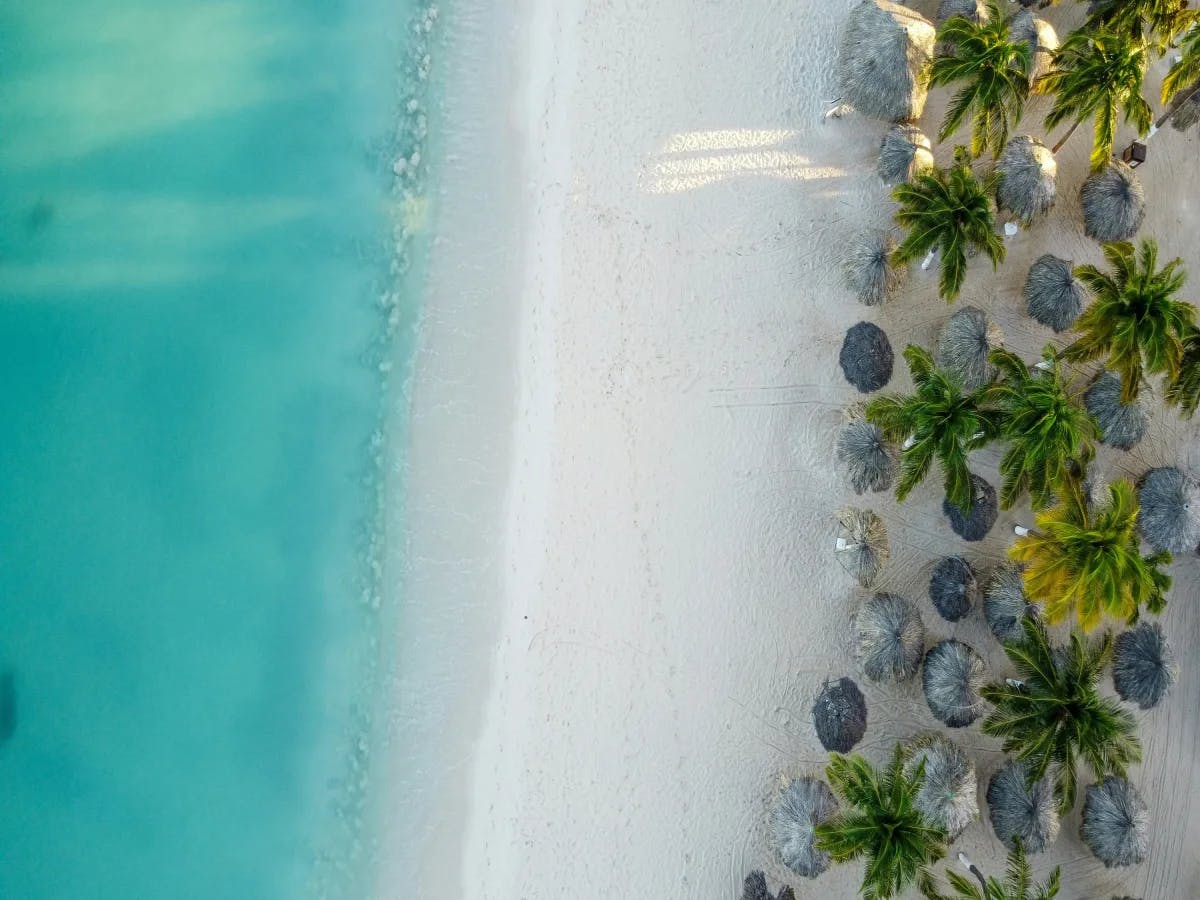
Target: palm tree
x: 941, y: 420
x: 1087, y: 558
x: 1159, y: 22
x: 1017, y: 884
x: 1182, y: 82
x: 1133, y: 321
x: 1184, y: 389
x: 996, y: 71
x: 880, y: 821
x: 948, y: 210
x: 1053, y: 717
x: 1096, y: 74
x: 1048, y: 430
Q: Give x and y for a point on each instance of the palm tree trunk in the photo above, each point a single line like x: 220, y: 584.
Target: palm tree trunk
x: 1070, y: 131
x: 1179, y: 101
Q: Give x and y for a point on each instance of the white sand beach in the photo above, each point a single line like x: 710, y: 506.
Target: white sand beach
x: 633, y: 515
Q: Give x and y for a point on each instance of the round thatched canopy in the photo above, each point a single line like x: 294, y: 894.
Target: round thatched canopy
x: 1188, y: 113
x: 1144, y: 665
x: 904, y: 153
x: 975, y: 10
x: 867, y: 267
x: 1114, y: 203
x: 868, y: 460
x: 1021, y: 811
x: 1005, y: 604
x: 963, y: 345
x: 1169, y: 513
x: 975, y: 524
x: 840, y: 715
x: 953, y: 588
x: 953, y: 680
x: 883, y: 61
x: 1041, y: 38
x: 866, y: 358
x: 947, y: 796
x: 1053, y: 295
x: 891, y: 638
x: 1122, y: 425
x: 862, y: 544
x: 755, y: 887
x: 1027, y: 178
x: 1116, y: 823
x: 803, y: 805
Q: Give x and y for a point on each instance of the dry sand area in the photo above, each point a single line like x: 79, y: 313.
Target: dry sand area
x: 671, y: 597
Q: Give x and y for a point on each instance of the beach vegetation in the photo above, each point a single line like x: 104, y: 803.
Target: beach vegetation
x: 1018, y: 883
x: 1159, y: 22
x: 1052, y: 717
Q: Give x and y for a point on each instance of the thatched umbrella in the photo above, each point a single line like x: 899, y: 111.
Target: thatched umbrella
x: 1114, y: 203
x: 953, y: 588
x: 1116, y: 823
x: 862, y: 544
x: 963, y: 345
x: 1187, y: 114
x: 868, y: 459
x: 973, y: 525
x: 1122, y: 425
x: 1053, y: 295
x: 891, y: 638
x: 755, y: 888
x: 867, y: 267
x: 953, y: 680
x: 1144, y: 665
x: 947, y: 796
x: 975, y: 10
x: 1021, y: 811
x: 1041, y: 38
x: 903, y: 153
x: 840, y: 715
x: 804, y: 804
x: 883, y: 61
x: 1169, y: 510
x: 1005, y: 604
x: 866, y: 357
x: 1027, y: 171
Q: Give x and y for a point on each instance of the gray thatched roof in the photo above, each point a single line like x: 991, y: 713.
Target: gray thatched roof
x: 840, y: 715
x: 1053, y: 295
x: 1027, y: 178
x: 883, y: 63
x: 1144, y: 666
x: 1005, y: 604
x: 1188, y: 113
x: 804, y: 804
x: 903, y: 153
x: 1169, y: 510
x: 866, y: 357
x: 953, y: 588
x: 867, y: 458
x: 1020, y: 811
x: 891, y: 638
x: 1114, y: 203
x: 1122, y: 425
x: 862, y: 544
x: 755, y: 888
x: 963, y: 345
x: 953, y: 680
x: 1116, y: 823
x: 975, y: 10
x: 947, y: 796
x: 973, y: 525
x: 1041, y: 38
x: 867, y: 267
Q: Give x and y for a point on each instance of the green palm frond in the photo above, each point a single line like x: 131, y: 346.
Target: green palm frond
x: 1184, y: 389
x: 1134, y: 322
x: 940, y: 421
x: 994, y: 72
x: 1049, y: 432
x: 1096, y: 74
x: 881, y: 824
x: 1017, y: 884
x: 1159, y: 22
x: 1186, y: 71
x: 949, y: 210
x: 1056, y: 717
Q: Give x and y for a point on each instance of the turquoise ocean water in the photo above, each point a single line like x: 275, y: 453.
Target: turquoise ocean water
x: 197, y: 222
